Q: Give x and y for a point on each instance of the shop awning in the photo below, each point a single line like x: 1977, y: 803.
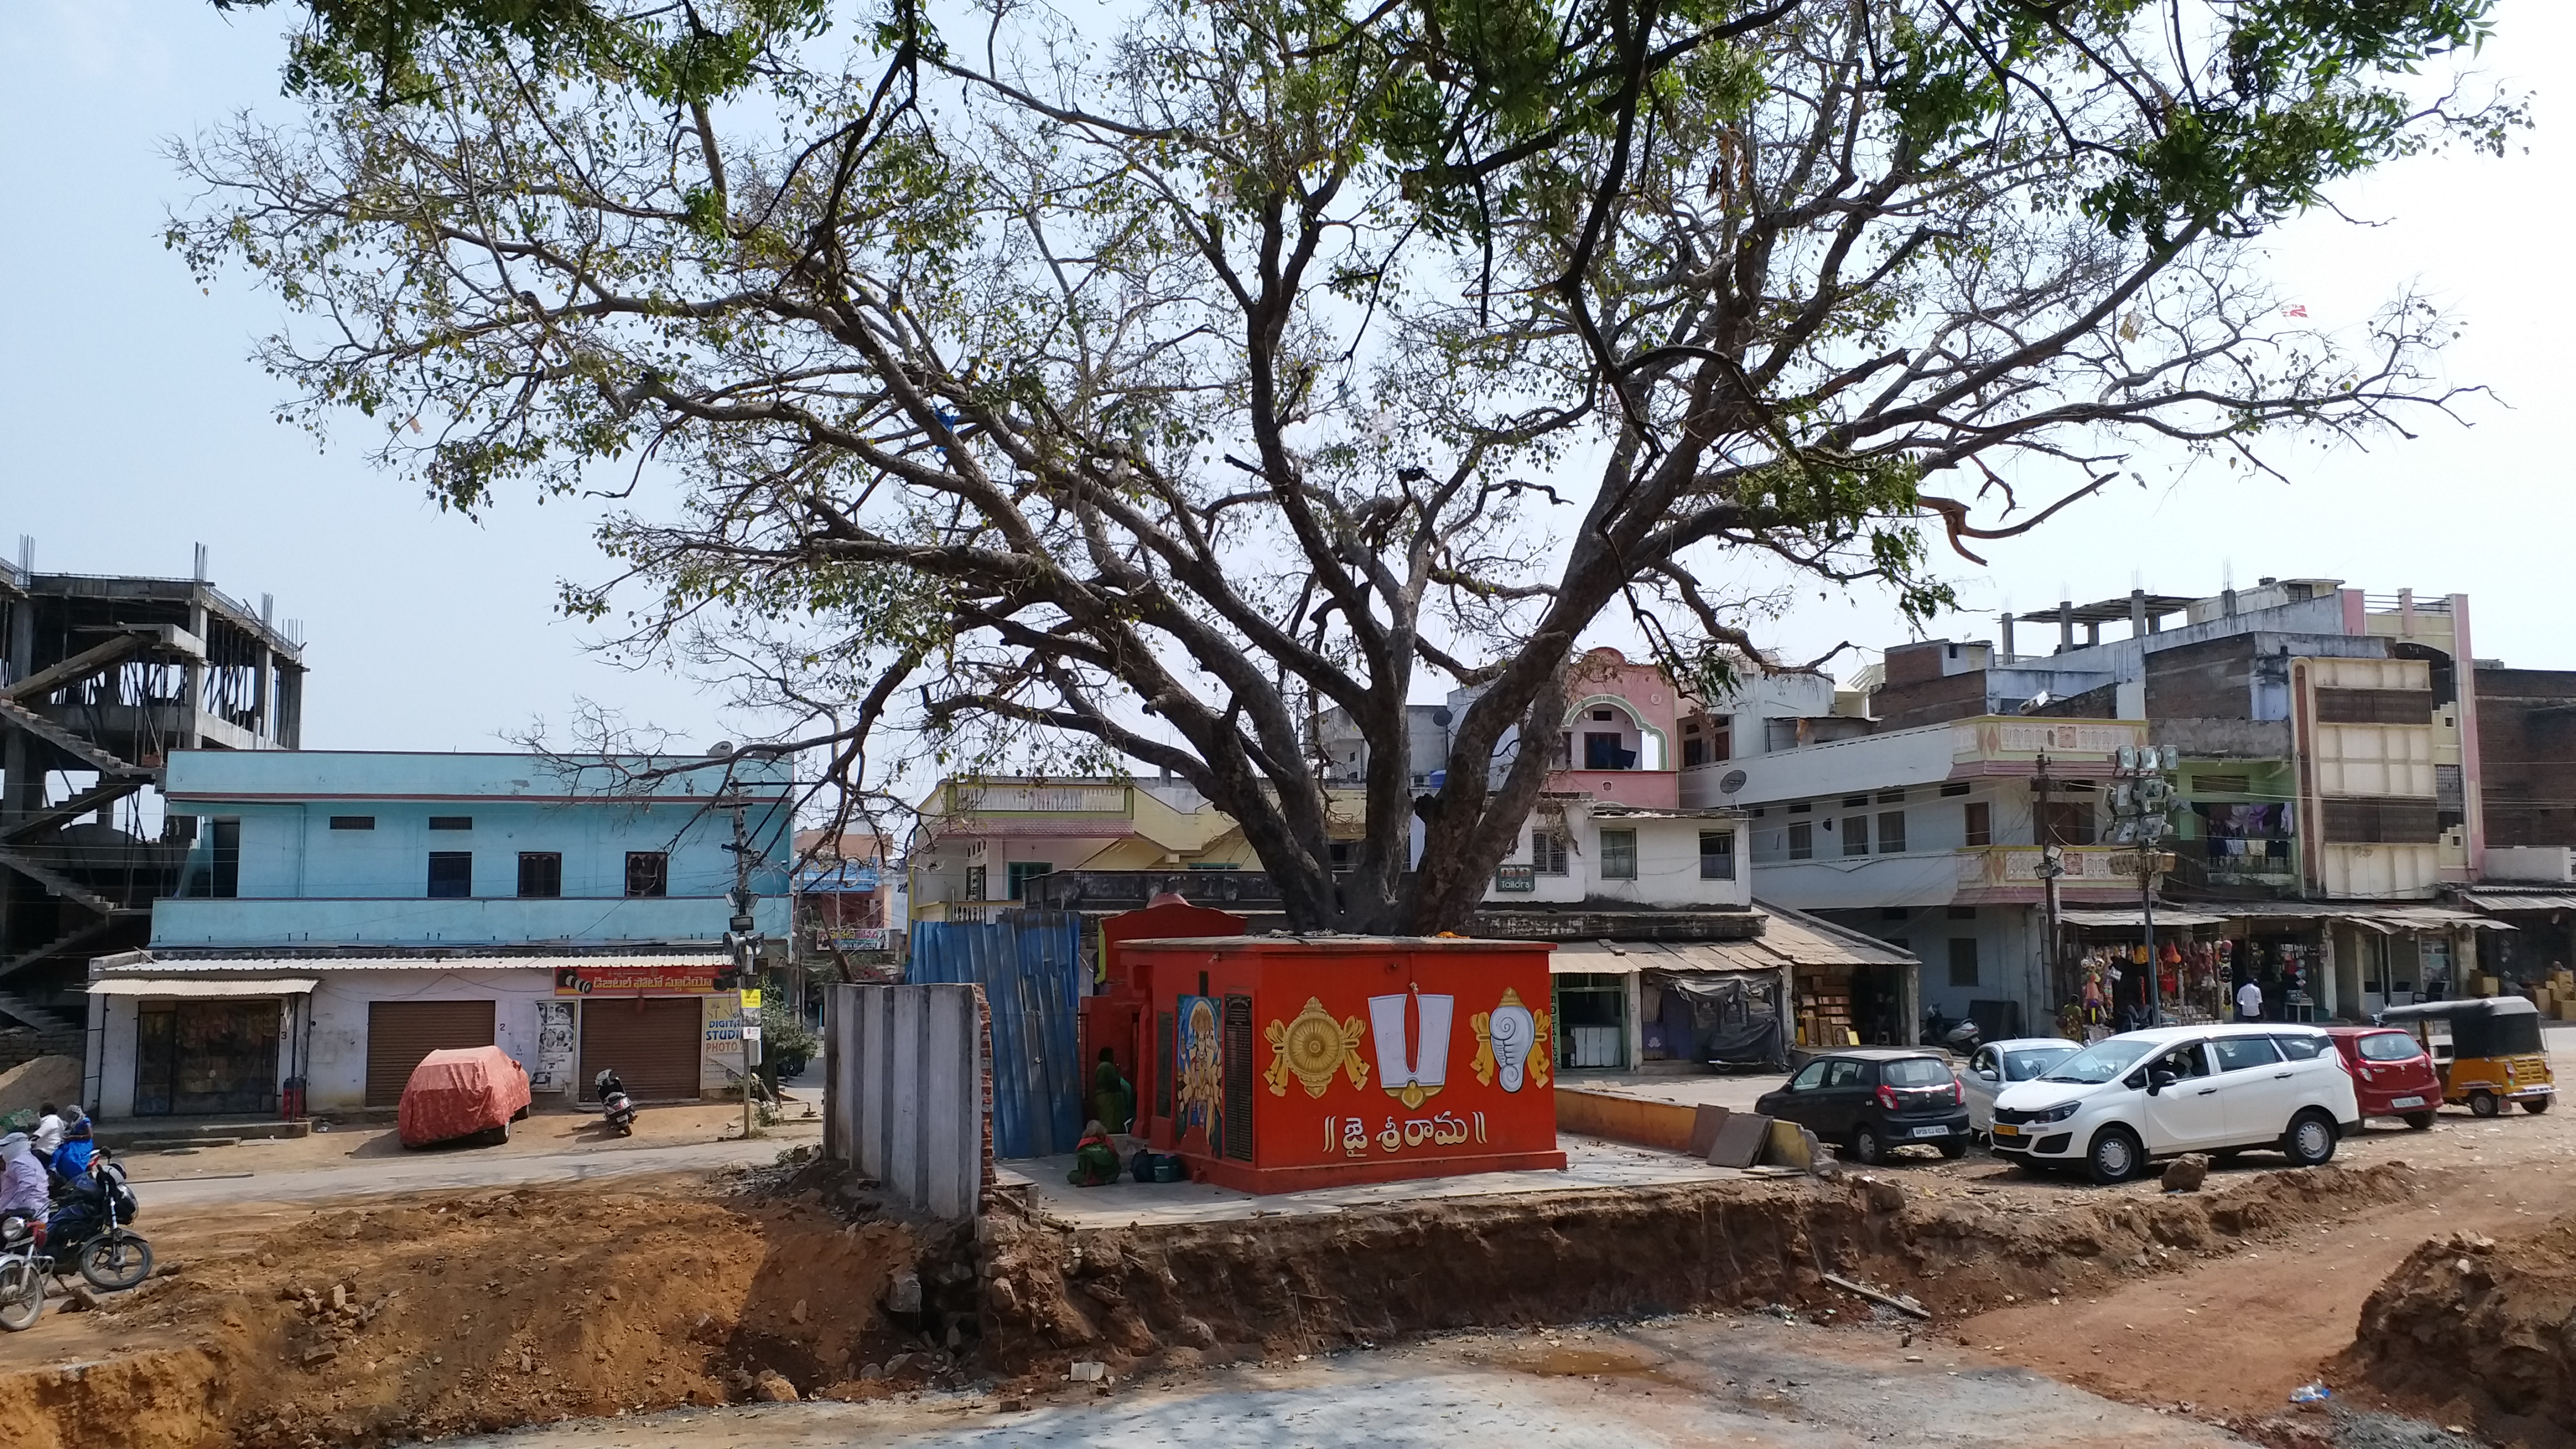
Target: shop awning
x: 203, y: 986
x: 2135, y: 920
x: 2520, y: 901
x: 2387, y: 918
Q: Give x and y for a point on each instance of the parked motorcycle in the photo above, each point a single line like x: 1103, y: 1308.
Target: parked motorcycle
x: 25, y: 1269
x: 1961, y: 1037
x: 88, y: 1228
x: 614, y: 1104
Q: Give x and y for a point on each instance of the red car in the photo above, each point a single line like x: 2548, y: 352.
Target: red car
x: 2391, y: 1074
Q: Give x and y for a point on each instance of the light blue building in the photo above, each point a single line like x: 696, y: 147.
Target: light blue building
x: 342, y: 913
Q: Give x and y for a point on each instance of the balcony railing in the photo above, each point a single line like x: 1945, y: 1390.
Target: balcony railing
x: 1037, y: 800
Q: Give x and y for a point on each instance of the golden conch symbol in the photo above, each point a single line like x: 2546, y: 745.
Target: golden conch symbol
x: 1314, y: 1046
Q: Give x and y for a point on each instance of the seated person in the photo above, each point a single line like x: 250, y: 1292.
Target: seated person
x: 1095, y: 1158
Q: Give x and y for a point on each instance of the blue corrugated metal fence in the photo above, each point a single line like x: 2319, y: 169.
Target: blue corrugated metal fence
x: 1030, y: 966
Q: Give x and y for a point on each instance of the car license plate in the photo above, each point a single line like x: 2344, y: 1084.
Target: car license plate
x: 2006, y: 1129
x: 1931, y: 1131
x: 2405, y: 1101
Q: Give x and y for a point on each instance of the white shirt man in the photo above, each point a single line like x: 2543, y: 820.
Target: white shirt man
x: 2249, y: 1002
x: 49, y: 1133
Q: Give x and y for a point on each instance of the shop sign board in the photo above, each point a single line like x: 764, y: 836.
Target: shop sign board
x: 693, y: 978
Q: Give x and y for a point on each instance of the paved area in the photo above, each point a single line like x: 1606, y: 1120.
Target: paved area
x: 1752, y: 1382
x: 1589, y: 1163
x: 449, y: 1171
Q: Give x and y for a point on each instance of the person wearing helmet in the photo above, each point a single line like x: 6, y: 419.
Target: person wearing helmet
x: 23, y: 1190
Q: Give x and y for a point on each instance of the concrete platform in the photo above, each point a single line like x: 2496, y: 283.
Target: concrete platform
x: 144, y: 1134
x: 1590, y: 1163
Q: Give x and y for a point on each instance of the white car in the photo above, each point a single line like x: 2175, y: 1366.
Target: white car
x: 1999, y: 1064
x: 2120, y: 1103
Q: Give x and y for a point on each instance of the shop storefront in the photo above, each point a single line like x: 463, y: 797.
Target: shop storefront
x: 2313, y: 961
x: 177, y: 1034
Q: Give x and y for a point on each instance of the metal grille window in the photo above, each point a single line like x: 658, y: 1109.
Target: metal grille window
x: 1238, y: 1078
x: 648, y: 873
x: 1166, y: 1063
x: 451, y: 874
x: 1891, y: 832
x: 1547, y: 852
x: 1717, y: 855
x: 2067, y: 822
x: 1979, y: 825
x: 353, y: 822
x: 1855, y: 835
x: 540, y: 874
x: 451, y: 822
x: 1618, y: 855
x: 1021, y: 872
x: 1802, y: 841
x: 2388, y: 820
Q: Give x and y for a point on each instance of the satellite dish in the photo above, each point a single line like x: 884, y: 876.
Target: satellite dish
x: 1733, y: 782
x: 720, y: 750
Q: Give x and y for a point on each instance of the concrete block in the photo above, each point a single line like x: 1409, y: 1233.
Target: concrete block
x: 1740, y: 1140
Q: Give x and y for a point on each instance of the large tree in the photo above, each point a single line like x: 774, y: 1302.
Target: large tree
x: 1161, y: 390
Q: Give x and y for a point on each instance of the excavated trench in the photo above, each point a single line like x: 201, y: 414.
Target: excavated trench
x: 475, y: 1313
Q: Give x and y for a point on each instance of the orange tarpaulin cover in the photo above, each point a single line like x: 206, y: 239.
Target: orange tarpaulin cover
x: 459, y: 1092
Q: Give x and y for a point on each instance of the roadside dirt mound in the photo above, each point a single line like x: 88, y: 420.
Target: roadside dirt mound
x: 2477, y: 1322
x: 31, y: 1084
x: 1181, y: 1296
x: 476, y: 1313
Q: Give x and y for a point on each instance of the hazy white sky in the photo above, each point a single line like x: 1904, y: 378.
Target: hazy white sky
x: 135, y: 427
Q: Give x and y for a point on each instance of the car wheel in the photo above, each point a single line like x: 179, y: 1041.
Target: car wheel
x: 1866, y: 1148
x: 1954, y: 1148
x: 2310, y: 1140
x: 2484, y: 1104
x: 2115, y: 1155
x: 2535, y: 1105
x: 2419, y: 1121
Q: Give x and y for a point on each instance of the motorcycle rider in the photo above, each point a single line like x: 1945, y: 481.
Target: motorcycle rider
x: 72, y: 1158
x: 24, y: 1191
x: 49, y: 1132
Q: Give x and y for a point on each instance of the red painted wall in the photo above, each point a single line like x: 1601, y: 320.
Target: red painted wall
x: 1369, y: 1059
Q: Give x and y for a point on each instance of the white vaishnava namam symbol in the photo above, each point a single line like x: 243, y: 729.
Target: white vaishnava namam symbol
x: 1412, y: 1068
x: 1512, y: 1031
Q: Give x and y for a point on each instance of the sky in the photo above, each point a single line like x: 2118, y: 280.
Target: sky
x: 137, y: 427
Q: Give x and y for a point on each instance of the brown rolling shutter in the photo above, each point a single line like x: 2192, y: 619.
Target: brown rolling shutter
x: 400, y: 1033
x: 652, y: 1041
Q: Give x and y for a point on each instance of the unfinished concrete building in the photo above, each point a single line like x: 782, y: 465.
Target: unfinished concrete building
x: 100, y: 677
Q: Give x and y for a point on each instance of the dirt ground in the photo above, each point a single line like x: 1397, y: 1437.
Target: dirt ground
x: 461, y: 1312
x: 543, y: 1131
x: 470, y: 1312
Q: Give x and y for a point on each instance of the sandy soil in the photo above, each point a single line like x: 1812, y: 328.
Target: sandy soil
x: 2232, y: 1337
x: 480, y: 1311
x: 541, y: 1132
x: 1752, y: 1383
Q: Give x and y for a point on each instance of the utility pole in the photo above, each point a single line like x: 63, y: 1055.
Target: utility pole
x: 2051, y: 866
x: 743, y: 941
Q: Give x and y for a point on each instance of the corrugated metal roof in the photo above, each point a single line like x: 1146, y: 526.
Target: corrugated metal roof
x: 2165, y: 916
x: 1789, y: 938
x: 198, y: 986
x: 216, y: 967
x: 2518, y: 901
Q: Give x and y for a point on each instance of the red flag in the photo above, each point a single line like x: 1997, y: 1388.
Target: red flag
x: 2295, y: 309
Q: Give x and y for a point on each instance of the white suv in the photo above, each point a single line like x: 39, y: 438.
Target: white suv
x: 2147, y: 1094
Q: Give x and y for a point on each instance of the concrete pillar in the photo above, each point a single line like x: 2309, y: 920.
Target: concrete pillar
x: 2137, y: 613
x: 2065, y: 625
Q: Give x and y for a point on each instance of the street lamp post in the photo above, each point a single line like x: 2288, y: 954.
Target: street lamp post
x: 2140, y: 805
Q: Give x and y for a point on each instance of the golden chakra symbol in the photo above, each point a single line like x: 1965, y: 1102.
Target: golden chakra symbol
x: 1313, y: 1046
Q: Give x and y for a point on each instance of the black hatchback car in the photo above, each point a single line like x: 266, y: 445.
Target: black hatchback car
x: 1872, y: 1099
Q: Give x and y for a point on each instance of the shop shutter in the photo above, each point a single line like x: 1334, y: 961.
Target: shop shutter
x: 400, y: 1033
x: 652, y: 1041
